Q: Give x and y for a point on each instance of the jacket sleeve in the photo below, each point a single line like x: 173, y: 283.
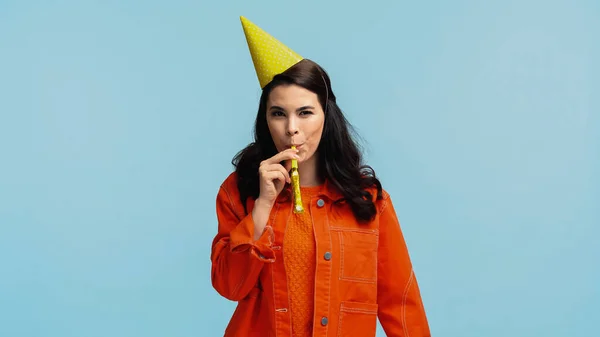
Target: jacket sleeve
x: 401, y: 311
x: 237, y: 259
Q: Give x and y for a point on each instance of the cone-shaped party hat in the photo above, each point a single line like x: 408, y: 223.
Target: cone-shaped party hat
x: 269, y: 55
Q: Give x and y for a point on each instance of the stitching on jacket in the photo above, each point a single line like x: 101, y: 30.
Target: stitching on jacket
x: 312, y: 220
x: 384, y: 203
x: 275, y: 319
x: 356, y: 310
x: 404, y: 297
x: 357, y: 279
x: 377, y: 254
x: 231, y: 202
x: 287, y: 286
x: 330, y: 266
x: 356, y: 230
x: 341, y: 255
x: 340, y: 322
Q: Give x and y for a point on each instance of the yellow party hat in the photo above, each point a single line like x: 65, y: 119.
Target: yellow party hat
x: 270, y: 56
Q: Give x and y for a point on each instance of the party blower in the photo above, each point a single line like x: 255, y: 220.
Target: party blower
x: 295, y: 176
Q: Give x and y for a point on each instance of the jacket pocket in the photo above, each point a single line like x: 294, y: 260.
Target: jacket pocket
x: 357, y: 319
x: 358, y: 250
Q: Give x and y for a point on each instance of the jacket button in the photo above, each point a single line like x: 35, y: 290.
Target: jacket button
x: 327, y: 256
x: 320, y: 203
x: 324, y: 321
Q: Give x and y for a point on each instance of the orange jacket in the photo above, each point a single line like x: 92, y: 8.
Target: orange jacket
x: 363, y: 271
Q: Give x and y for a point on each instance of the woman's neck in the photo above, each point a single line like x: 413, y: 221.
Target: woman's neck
x: 309, y: 175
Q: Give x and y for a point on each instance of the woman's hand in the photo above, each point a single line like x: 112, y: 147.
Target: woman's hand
x: 272, y: 178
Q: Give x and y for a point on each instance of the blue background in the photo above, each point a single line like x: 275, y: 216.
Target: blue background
x: 118, y: 121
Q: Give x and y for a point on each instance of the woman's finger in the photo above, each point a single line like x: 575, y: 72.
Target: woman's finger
x: 280, y: 168
x: 281, y: 156
x: 275, y: 175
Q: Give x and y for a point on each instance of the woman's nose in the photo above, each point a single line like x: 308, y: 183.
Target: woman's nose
x: 292, y: 128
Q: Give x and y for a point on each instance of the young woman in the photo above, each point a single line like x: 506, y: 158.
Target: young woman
x: 335, y: 268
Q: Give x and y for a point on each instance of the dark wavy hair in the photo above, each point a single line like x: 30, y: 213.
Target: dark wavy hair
x: 339, y: 157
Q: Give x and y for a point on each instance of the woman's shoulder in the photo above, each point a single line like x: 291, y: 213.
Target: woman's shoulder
x: 229, y: 195
x: 380, y: 198
x: 230, y: 179
x: 377, y: 190
x: 378, y: 195
x: 229, y: 185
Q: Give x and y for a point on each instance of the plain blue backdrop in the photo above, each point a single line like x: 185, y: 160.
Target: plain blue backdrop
x: 119, y: 119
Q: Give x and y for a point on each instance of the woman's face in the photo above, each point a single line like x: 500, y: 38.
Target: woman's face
x: 295, y: 117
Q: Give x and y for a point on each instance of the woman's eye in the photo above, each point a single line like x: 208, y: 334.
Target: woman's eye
x: 276, y: 113
x: 306, y: 112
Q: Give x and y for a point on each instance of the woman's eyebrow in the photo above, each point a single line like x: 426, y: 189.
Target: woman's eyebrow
x: 306, y: 107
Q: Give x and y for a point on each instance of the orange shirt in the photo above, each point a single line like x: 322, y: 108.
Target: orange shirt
x: 299, y: 260
x: 361, y: 272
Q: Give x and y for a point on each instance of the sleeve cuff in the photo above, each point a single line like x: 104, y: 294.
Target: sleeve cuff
x: 242, y: 240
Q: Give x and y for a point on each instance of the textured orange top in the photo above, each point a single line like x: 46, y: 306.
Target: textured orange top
x: 299, y: 259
